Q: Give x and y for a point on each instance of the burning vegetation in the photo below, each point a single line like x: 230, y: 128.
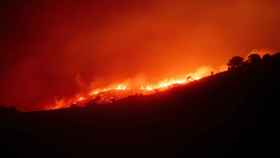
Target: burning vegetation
x: 117, y: 91
x: 124, y: 89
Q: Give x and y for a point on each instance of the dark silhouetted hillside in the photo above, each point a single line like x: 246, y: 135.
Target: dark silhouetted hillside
x: 229, y: 114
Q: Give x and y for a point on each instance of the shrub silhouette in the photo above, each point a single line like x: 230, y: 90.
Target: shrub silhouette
x: 276, y: 57
x: 254, y: 59
x: 235, y: 62
x: 267, y: 58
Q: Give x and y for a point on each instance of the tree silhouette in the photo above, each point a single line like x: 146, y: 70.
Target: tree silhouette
x: 267, y: 58
x: 254, y: 59
x: 276, y: 57
x: 235, y: 62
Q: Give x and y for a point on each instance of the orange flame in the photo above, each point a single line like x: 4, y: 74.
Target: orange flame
x: 125, y: 89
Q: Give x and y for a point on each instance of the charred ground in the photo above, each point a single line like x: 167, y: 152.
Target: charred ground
x: 227, y: 114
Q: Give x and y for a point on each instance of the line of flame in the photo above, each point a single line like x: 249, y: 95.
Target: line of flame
x: 120, y: 90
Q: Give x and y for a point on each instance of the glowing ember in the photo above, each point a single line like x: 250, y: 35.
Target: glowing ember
x: 81, y: 99
x: 121, y: 87
x: 122, y: 90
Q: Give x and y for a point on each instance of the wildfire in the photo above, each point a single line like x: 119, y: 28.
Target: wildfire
x: 121, y: 90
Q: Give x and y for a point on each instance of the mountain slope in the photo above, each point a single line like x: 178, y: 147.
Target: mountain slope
x: 227, y: 114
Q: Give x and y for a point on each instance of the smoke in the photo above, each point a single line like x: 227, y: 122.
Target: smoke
x: 53, y: 49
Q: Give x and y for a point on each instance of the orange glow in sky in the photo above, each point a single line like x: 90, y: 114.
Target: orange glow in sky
x: 58, y: 53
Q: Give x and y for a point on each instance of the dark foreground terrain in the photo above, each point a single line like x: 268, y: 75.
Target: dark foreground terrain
x: 230, y: 114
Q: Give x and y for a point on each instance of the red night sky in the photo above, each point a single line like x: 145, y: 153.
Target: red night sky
x: 53, y: 48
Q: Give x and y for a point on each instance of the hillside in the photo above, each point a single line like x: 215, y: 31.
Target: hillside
x: 227, y: 114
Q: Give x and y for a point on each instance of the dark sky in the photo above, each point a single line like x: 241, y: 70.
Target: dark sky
x: 53, y: 48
